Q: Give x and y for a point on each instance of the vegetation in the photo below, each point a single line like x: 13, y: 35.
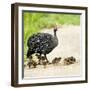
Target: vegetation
x: 34, y: 22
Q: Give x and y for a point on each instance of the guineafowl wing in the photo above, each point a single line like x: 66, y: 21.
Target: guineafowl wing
x: 46, y: 44
x: 41, y: 43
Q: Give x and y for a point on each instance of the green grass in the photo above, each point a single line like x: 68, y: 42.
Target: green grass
x: 34, y: 22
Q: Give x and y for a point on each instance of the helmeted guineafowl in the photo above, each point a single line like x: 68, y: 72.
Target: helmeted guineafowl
x: 42, y: 43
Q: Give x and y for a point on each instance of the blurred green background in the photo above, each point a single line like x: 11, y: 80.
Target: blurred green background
x: 34, y: 22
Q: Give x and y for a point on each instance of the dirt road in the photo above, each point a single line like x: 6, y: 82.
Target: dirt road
x: 69, y: 45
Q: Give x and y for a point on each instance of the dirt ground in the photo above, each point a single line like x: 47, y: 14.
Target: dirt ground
x: 69, y: 45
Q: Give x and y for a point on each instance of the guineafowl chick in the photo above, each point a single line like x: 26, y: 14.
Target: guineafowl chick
x: 44, y: 61
x: 56, y: 60
x: 33, y: 61
x: 39, y: 59
x: 69, y: 60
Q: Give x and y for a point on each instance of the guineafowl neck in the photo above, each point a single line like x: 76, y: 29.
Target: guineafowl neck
x: 55, y: 39
x: 55, y: 35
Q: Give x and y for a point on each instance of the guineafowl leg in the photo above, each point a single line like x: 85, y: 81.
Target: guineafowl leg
x: 46, y: 59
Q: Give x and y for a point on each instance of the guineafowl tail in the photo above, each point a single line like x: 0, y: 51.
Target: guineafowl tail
x: 28, y: 53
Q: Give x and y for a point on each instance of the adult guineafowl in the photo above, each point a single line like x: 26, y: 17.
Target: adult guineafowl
x: 42, y: 43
